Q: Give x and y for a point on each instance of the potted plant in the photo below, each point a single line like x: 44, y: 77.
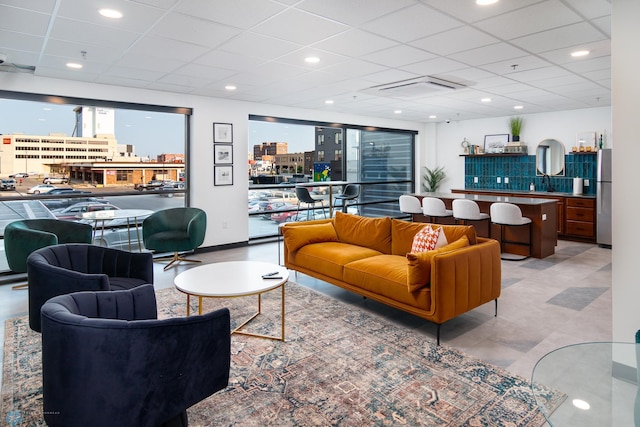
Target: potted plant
x: 432, y: 178
x: 515, y: 123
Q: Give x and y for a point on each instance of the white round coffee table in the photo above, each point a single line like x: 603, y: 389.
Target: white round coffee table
x: 233, y: 279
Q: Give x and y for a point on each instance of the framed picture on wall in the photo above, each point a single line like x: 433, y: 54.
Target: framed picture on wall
x: 223, y: 132
x: 223, y: 175
x: 223, y: 154
x: 495, y: 143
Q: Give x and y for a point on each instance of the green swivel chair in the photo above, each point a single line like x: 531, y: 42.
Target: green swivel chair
x: 175, y: 230
x: 25, y: 236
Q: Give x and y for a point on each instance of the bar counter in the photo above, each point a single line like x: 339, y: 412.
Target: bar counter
x: 543, y: 214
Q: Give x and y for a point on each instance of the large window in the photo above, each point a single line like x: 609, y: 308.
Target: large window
x: 379, y: 160
x: 104, y: 152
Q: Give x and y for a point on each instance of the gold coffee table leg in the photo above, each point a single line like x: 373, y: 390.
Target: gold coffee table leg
x: 246, y: 322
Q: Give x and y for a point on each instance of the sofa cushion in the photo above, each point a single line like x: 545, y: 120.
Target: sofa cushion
x: 374, y: 233
x: 386, y: 275
x: 297, y: 237
x: 402, y: 233
x: 419, y: 264
x: 328, y: 258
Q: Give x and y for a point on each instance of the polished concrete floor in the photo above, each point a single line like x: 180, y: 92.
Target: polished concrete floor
x: 545, y: 304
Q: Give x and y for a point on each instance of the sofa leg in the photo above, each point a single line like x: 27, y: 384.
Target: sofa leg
x: 496, y: 312
x: 438, y: 333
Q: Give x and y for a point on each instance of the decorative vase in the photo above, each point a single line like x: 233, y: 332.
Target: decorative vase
x: 516, y: 138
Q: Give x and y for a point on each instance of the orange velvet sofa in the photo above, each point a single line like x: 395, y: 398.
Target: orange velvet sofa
x: 372, y: 257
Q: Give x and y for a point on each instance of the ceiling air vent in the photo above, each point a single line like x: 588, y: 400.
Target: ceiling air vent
x: 413, y: 88
x: 8, y: 67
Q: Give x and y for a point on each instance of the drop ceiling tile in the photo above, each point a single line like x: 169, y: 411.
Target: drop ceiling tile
x: 353, y: 12
x: 570, y: 35
x: 158, y: 47
x: 539, y: 74
x: 236, y: 13
x: 355, y: 42
x: 148, y: 62
x: 455, y: 40
x: 436, y: 66
x: 563, y: 56
x: 70, y: 49
x: 603, y: 24
x: 20, y: 41
x: 231, y: 61
x: 398, y: 56
x: 204, y: 72
x: 299, y: 27
x: 259, y: 46
x: 516, y: 65
x: 297, y: 58
x: 488, y: 54
x: 412, y: 23
x: 354, y: 68
x: 390, y: 76
x: 136, y: 73
x: 471, y: 13
x: 595, y: 64
x: 21, y: 57
x: 68, y: 30
x: 65, y: 74
x: 529, y: 20
x: 193, y: 30
x: 136, y: 17
x: 44, y: 6
x: 591, y: 9
x: 23, y: 21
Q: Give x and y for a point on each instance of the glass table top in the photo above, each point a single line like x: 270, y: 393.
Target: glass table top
x: 598, y: 380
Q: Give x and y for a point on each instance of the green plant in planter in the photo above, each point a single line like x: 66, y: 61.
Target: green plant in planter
x: 432, y: 178
x: 515, y: 124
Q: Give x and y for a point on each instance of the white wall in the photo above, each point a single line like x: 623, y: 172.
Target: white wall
x: 626, y: 105
x: 562, y: 126
x: 223, y: 204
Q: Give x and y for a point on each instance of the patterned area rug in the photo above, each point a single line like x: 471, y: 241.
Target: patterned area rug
x: 339, y: 366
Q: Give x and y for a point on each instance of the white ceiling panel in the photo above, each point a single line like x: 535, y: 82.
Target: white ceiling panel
x: 570, y: 35
x: 398, y: 56
x: 267, y: 48
x: 455, y: 40
x: 522, y: 22
x: 353, y: 12
x: 412, y: 23
x: 355, y: 43
x: 23, y: 21
x: 299, y: 27
x: 193, y: 30
x: 236, y: 13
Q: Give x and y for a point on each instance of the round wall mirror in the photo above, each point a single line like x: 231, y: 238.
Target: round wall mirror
x: 550, y: 158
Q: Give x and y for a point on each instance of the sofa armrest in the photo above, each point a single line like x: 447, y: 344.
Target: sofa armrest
x: 464, y: 279
x: 284, y: 229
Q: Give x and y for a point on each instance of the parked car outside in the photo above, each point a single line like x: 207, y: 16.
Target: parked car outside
x: 308, y: 216
x: 271, y: 207
x: 19, y: 175
x: 65, y: 190
x: 41, y: 188
x: 60, y: 204
x: 55, y: 180
x: 75, y: 211
x: 285, y: 216
x: 7, y: 184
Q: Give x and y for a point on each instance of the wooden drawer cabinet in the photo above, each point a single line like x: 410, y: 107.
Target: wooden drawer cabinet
x: 580, y: 217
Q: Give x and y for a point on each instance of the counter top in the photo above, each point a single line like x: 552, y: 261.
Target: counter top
x: 525, y: 193
x: 490, y: 198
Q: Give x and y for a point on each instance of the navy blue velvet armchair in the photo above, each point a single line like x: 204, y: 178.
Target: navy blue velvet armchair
x: 107, y: 361
x: 73, y: 267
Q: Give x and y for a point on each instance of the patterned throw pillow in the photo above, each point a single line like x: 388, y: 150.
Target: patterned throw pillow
x: 425, y: 240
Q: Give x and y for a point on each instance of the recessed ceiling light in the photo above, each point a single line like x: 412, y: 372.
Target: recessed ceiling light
x: 74, y: 65
x: 579, y: 53
x: 110, y: 13
x: 485, y: 2
x: 397, y: 111
x: 230, y: 87
x: 518, y: 107
x: 329, y: 101
x: 486, y: 100
x: 311, y: 59
x: 433, y: 116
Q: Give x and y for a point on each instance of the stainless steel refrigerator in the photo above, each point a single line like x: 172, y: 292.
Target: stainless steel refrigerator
x: 603, y: 188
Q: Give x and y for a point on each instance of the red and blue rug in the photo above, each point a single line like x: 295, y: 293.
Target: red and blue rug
x: 340, y: 365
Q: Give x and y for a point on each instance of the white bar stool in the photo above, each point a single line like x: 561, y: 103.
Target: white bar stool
x: 434, y: 208
x: 410, y: 205
x: 510, y: 215
x: 467, y: 211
